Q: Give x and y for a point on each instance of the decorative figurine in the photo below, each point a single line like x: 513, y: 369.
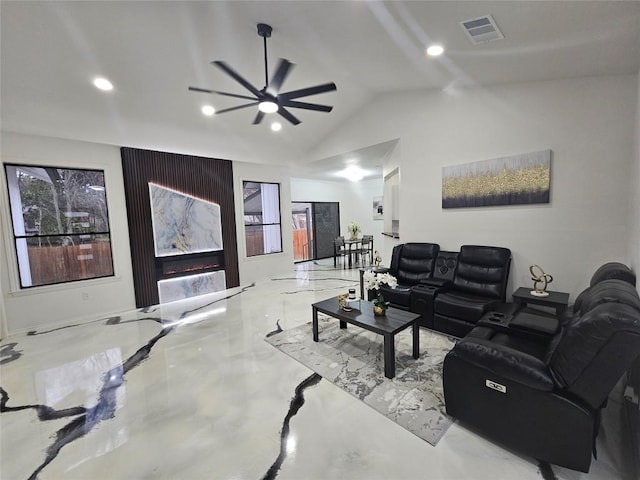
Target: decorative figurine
x: 343, y: 302
x: 377, y: 259
x: 540, y: 281
x: 346, y: 301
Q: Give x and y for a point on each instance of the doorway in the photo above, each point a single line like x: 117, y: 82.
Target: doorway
x: 315, y: 226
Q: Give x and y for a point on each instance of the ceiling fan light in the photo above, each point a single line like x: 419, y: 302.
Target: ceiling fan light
x: 267, y: 106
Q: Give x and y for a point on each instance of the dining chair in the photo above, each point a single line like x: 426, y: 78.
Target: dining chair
x: 366, y: 249
x: 340, y: 250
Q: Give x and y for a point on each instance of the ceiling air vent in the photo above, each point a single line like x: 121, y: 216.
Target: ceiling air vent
x: 481, y: 30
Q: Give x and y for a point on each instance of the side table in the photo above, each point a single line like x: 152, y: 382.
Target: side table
x: 558, y: 300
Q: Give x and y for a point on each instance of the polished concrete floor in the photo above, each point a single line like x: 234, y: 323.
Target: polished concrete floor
x: 192, y: 391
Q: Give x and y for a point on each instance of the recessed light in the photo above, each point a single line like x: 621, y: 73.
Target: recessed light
x: 276, y: 126
x: 103, y: 84
x: 435, y: 50
x: 208, y: 110
x: 353, y: 173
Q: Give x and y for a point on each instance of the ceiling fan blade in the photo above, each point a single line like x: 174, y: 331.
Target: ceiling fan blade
x: 307, y: 106
x: 284, y: 67
x: 236, y: 76
x: 203, y: 90
x: 206, y: 90
x: 304, y: 92
x: 258, y: 118
x: 287, y: 114
x: 237, y: 108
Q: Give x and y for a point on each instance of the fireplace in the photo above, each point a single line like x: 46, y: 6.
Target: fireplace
x: 188, y: 264
x: 189, y: 275
x: 197, y: 180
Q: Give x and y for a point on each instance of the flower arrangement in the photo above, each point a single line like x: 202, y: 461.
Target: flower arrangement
x: 354, y: 230
x: 372, y: 281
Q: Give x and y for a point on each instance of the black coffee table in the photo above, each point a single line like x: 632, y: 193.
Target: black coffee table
x: 393, y: 322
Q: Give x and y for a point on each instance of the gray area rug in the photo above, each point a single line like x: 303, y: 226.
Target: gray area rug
x: 353, y: 360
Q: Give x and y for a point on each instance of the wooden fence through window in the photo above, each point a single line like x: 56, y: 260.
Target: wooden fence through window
x: 255, y: 244
x: 68, y: 263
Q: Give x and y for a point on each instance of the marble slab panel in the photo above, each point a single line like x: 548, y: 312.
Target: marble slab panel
x: 180, y: 288
x: 182, y: 223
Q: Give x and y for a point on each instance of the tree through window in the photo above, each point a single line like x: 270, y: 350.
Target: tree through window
x: 60, y: 224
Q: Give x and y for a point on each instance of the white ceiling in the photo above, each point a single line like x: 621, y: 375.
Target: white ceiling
x: 152, y: 51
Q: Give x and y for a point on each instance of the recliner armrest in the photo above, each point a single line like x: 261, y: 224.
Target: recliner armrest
x: 530, y: 322
x: 507, y: 362
x: 381, y: 270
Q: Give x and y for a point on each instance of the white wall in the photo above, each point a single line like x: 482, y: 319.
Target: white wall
x: 590, y: 124
x: 56, y: 305
x: 634, y: 198
x: 263, y: 266
x: 63, y: 304
x: 587, y: 123
x: 355, y: 198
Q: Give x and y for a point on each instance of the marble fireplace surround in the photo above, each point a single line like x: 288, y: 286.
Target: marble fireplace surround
x: 204, y: 186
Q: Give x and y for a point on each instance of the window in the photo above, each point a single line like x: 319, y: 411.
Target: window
x: 262, y: 218
x: 60, y: 224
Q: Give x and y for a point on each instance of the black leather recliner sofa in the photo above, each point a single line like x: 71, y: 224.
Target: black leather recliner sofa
x: 464, y: 284
x: 542, y: 396
x: 607, y: 271
x: 410, y: 264
x: 479, y: 285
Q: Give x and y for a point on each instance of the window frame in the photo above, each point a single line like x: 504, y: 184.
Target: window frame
x: 25, y: 237
x: 262, y: 225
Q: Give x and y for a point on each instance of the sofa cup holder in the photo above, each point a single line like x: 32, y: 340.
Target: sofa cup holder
x: 497, y: 317
x: 428, y: 288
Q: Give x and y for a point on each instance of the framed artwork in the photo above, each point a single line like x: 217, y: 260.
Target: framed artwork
x: 377, y: 208
x: 519, y: 179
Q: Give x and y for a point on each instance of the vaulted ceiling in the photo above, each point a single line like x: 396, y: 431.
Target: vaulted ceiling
x: 152, y: 51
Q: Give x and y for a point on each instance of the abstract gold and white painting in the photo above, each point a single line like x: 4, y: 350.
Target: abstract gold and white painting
x: 519, y: 179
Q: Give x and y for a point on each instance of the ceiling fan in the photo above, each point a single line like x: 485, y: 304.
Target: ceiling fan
x: 269, y: 99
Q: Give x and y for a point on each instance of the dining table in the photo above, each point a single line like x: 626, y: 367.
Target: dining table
x: 352, y: 246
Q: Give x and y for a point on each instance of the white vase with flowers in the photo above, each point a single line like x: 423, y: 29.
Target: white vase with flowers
x: 372, y: 281
x: 354, y: 230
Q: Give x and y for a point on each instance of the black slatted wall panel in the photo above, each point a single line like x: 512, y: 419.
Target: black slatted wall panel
x: 206, y: 178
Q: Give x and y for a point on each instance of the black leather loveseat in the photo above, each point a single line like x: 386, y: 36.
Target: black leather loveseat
x: 542, y: 395
x: 450, y: 290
